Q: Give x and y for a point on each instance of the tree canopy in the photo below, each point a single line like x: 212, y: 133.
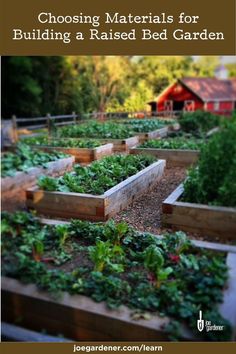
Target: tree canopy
x: 35, y: 86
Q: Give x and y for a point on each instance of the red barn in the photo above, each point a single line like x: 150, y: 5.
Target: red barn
x: 192, y: 93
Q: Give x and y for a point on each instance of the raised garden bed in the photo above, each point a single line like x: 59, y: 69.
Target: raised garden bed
x: 96, y: 207
x: 204, y: 219
x: 147, y: 129
x: 177, y: 151
x: 121, y: 310
x: 84, y: 150
x: 13, y: 187
x: 121, y: 136
x: 81, y: 155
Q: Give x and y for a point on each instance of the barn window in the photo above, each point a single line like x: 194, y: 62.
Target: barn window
x: 189, y: 105
x: 168, y: 104
x: 216, y: 106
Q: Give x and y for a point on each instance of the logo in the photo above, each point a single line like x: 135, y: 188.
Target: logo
x: 200, y: 322
x: 208, y: 325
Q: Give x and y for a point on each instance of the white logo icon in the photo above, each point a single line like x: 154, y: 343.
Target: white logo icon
x: 200, y: 322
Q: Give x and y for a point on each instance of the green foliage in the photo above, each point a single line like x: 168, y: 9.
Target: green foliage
x: 154, y: 262
x: 105, y: 255
x: 67, y: 143
x: 213, y: 181
x: 138, y: 98
x: 97, y: 130
x: 198, y: 122
x: 97, y: 267
x: 144, y: 125
x: 24, y: 158
x: 182, y: 143
x: 176, y: 243
x: 115, y: 232
x: 99, y: 176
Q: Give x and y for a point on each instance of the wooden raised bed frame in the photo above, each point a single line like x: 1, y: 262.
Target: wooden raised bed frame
x: 80, y: 318
x: 13, y: 188
x: 82, y: 155
x: 204, y: 219
x: 122, y: 145
x: 173, y: 157
x: 95, y: 207
x: 158, y: 133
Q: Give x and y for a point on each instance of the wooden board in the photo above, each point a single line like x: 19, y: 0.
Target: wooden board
x: 173, y: 157
x: 122, y: 145
x: 94, y: 207
x: 13, y: 188
x: 158, y: 133
x: 81, y: 155
x: 204, y: 219
x: 88, y: 320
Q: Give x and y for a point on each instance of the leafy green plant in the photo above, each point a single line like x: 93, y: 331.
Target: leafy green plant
x: 213, y: 180
x: 67, y: 143
x: 99, y: 176
x: 115, y: 232
x: 143, y: 125
x: 47, y: 183
x: 154, y: 262
x: 24, y: 158
x: 97, y: 130
x: 182, y: 143
x: 103, y: 254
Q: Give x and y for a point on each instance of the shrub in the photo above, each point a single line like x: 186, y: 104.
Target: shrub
x: 198, y: 122
x: 214, y: 180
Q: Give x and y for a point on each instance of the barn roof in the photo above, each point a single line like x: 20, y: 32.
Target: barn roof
x: 211, y: 89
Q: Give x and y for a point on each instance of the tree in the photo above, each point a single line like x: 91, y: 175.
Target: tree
x: 206, y: 65
x: 106, y: 75
x: 161, y: 71
x: 21, y: 90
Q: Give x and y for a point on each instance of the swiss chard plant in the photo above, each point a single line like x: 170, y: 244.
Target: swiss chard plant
x: 97, y: 177
x: 168, y: 276
x: 24, y: 158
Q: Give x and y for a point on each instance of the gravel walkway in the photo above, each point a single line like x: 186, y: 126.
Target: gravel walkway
x: 145, y: 213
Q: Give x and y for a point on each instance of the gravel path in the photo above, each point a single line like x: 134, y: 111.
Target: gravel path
x: 145, y: 213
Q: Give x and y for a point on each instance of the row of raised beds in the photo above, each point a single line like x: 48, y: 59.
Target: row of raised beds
x: 115, y: 282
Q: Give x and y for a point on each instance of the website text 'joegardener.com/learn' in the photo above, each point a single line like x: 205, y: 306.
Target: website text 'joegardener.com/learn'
x: 117, y: 348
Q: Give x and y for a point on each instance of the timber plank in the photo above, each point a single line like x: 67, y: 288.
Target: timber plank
x: 158, y: 133
x: 205, y: 219
x: 122, y: 145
